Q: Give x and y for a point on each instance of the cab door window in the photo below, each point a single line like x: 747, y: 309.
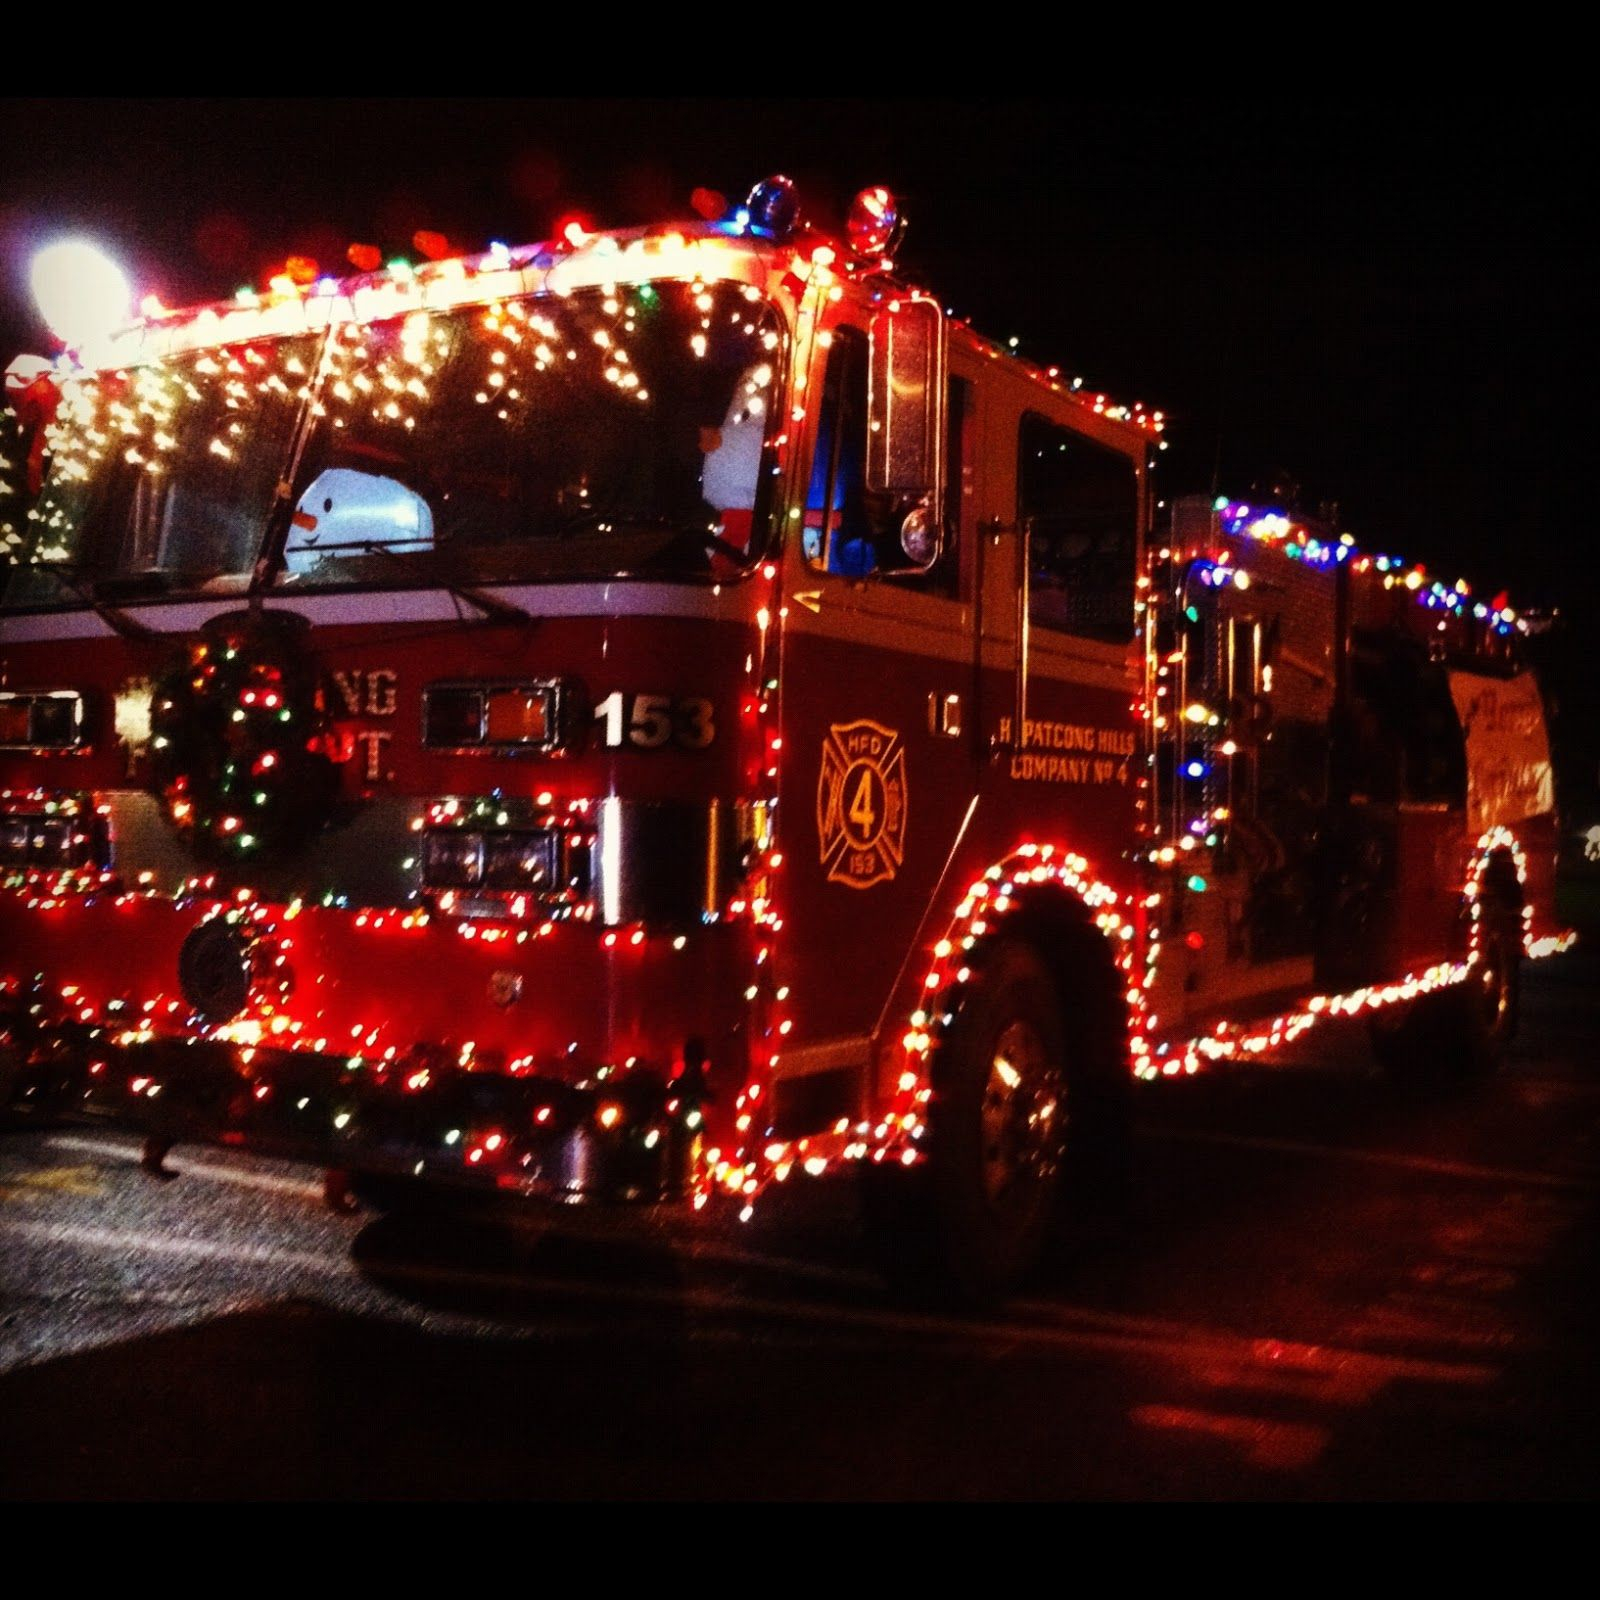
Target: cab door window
x: 1081, y: 502
x: 848, y: 528
x: 840, y: 534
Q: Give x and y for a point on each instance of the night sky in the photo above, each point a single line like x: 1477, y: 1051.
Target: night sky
x: 1380, y: 301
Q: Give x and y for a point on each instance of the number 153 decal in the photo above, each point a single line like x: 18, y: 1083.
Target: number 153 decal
x: 654, y: 721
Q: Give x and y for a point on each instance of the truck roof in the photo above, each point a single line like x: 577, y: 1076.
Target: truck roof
x: 288, y: 306
x: 720, y: 250
x: 1451, y: 609
x: 1136, y: 416
x: 723, y: 250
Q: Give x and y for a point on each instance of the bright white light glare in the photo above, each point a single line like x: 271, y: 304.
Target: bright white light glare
x: 80, y: 291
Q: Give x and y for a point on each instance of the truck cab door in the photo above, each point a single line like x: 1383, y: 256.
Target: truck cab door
x: 1063, y: 659
x: 878, y: 673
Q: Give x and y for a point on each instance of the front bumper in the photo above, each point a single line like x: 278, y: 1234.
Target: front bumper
x: 569, y: 1059
x: 635, y: 1137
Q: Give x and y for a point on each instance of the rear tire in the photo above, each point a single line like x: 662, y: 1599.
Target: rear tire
x: 971, y: 1221
x: 1462, y: 1032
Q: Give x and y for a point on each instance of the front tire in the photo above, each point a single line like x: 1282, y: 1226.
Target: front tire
x: 972, y: 1220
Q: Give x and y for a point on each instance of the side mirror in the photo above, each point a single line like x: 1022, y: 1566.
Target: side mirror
x: 919, y: 536
x: 905, y: 400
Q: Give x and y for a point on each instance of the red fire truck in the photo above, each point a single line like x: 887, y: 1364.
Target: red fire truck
x: 646, y: 715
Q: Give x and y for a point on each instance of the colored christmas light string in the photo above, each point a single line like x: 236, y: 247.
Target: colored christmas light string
x: 138, y: 423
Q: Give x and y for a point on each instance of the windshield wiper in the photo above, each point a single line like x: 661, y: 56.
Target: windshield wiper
x: 705, y: 539
x: 488, y: 604
x: 83, y: 585
x: 676, y: 532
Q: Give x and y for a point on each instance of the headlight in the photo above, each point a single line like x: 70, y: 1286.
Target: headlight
x: 51, y: 844
x: 452, y: 858
x: 41, y: 719
x: 519, y: 860
x: 547, y: 863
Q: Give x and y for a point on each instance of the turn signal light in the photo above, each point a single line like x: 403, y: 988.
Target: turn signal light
x: 499, y: 717
x: 41, y: 719
x: 517, y: 716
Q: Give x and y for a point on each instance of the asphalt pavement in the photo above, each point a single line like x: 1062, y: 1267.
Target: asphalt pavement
x: 1321, y: 1287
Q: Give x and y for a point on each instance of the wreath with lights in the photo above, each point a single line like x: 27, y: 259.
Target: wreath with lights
x: 240, y: 752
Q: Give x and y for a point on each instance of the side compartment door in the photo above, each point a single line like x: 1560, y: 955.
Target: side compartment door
x: 1247, y: 691
x: 1401, y: 768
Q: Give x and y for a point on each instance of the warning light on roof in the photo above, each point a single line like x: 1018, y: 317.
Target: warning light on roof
x: 574, y: 230
x: 875, y: 224
x: 774, y: 207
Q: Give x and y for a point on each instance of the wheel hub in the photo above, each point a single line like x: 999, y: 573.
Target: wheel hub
x: 1023, y: 1116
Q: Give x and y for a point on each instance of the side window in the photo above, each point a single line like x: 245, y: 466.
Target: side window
x: 838, y: 532
x: 1082, y: 500
x: 848, y: 528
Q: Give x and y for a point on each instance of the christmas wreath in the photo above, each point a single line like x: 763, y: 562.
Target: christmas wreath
x: 239, y: 749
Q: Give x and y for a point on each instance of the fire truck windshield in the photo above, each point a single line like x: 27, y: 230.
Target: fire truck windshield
x: 161, y: 476
x: 607, y: 431
x: 601, y: 432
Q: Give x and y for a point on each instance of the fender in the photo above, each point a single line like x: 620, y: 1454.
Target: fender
x: 1037, y: 889
x: 1005, y: 897
x: 1487, y: 882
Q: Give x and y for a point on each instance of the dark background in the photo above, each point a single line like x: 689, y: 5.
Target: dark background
x: 1380, y: 300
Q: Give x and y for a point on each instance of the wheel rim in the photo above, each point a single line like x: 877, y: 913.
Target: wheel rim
x: 1023, y: 1115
